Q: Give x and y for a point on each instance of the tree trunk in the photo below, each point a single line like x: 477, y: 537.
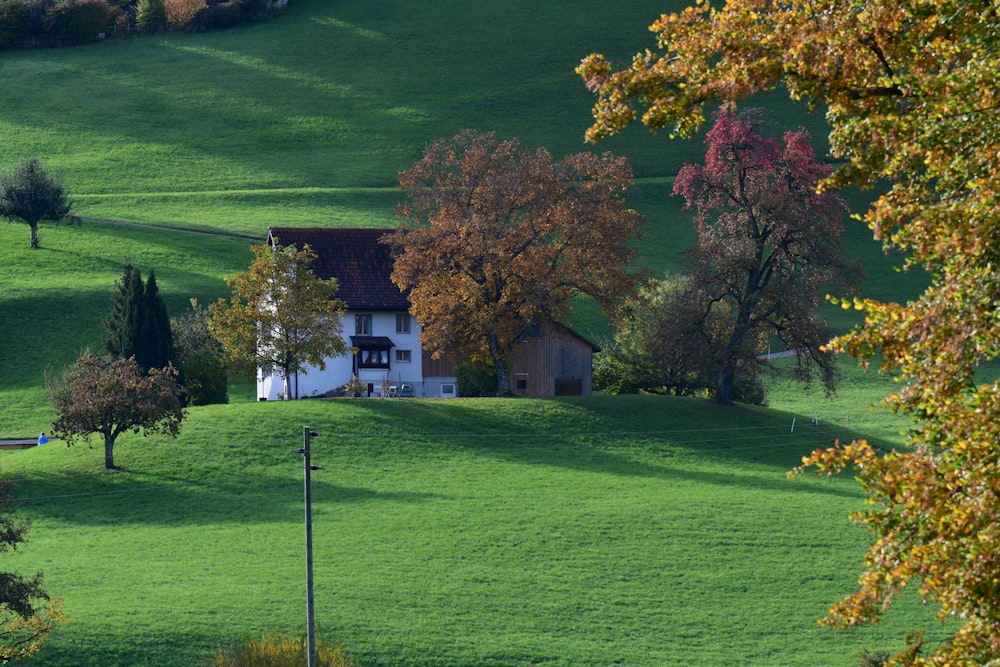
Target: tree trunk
x: 109, y: 451
x: 724, y: 390
x: 34, y: 235
x: 503, y: 381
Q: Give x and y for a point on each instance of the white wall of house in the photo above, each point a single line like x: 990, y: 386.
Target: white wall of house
x: 404, y: 360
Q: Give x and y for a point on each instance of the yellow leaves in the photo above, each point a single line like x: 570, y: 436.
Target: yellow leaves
x: 911, y: 99
x: 23, y: 637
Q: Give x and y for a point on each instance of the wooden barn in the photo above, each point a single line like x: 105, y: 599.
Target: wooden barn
x: 553, y: 360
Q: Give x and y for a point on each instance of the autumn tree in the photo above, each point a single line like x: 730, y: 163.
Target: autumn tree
x: 281, y: 315
x: 109, y: 396
x: 768, y: 242
x: 30, y: 194
x: 27, y: 613
x: 500, y: 237
x: 910, y: 93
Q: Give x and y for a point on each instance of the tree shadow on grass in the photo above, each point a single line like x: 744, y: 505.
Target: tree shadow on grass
x: 123, y: 497
x: 666, y: 438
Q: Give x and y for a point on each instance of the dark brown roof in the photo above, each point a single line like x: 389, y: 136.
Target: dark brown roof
x: 355, y: 258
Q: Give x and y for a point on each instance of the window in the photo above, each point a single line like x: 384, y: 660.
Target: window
x: 403, y: 323
x: 373, y: 358
x: 448, y: 390
x: 404, y: 356
x: 362, y: 325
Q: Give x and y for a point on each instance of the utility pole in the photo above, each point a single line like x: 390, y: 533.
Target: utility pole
x: 307, y: 435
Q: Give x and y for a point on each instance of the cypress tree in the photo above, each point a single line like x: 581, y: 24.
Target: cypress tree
x: 138, y: 325
x: 155, y: 342
x: 125, y: 321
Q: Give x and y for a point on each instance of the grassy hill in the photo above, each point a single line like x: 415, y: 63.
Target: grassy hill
x: 592, y: 531
x: 629, y: 530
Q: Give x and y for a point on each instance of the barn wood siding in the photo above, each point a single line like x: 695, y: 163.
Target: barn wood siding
x: 442, y: 367
x: 555, y: 357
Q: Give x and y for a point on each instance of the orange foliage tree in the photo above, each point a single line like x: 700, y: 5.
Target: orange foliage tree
x: 502, y: 236
x: 909, y: 88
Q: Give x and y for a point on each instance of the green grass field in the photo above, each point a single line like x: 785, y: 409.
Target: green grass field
x: 593, y: 531
x: 596, y: 531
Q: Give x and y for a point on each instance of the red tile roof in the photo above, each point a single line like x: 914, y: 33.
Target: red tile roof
x: 355, y: 258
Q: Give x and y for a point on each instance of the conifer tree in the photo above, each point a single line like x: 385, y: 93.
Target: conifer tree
x: 155, y: 343
x: 138, y: 325
x: 124, y: 321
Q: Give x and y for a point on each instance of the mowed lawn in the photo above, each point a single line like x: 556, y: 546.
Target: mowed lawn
x: 589, y: 531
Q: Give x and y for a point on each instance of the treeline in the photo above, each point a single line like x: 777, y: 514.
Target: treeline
x: 33, y: 23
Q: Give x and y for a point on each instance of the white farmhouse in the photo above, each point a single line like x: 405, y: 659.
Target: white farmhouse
x: 383, y: 337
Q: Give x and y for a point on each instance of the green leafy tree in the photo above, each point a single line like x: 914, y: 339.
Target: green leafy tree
x: 109, y: 396
x: 27, y: 614
x: 30, y: 194
x: 200, y: 357
x: 910, y: 93
x: 281, y: 315
x: 502, y: 237
x: 151, y: 15
x: 664, y: 342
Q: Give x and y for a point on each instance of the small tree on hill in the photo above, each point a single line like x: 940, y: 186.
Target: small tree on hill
x: 663, y: 342
x: 281, y: 315
x: 110, y: 396
x: 156, y: 341
x: 30, y: 194
x: 23, y: 625
x: 200, y: 357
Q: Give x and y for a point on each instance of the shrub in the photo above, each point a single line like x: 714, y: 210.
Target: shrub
x: 150, y: 15
x: 217, y: 17
x: 181, y: 13
x: 254, y: 10
x: 15, y: 22
x: 280, y: 651
x: 876, y: 659
x: 200, y: 356
x: 205, y: 377
x: 476, y: 379
x: 77, y: 21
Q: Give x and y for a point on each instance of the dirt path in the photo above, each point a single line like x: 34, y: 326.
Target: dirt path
x: 123, y: 223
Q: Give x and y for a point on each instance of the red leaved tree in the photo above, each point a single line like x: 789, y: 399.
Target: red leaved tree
x: 767, y: 243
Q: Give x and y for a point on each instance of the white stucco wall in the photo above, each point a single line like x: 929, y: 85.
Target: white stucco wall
x: 338, y: 370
